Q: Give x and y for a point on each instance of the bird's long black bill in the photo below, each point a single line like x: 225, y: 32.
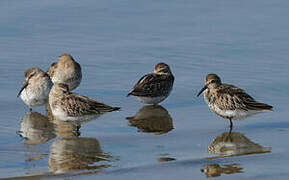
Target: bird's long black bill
x: 130, y: 93
x: 204, y: 88
x: 24, y: 85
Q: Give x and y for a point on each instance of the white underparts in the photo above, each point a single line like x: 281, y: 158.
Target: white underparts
x: 233, y: 114
x: 151, y: 100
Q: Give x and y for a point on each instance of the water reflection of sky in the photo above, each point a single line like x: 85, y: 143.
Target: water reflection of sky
x: 245, y: 42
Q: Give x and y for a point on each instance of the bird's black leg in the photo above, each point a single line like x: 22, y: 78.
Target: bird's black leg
x: 228, y: 137
x: 231, y: 125
x: 78, y: 126
x: 77, y: 132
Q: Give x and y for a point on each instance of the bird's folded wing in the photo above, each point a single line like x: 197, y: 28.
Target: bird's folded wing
x: 80, y: 105
x: 234, y: 98
x: 153, y: 85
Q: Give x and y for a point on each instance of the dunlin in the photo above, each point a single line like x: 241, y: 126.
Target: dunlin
x: 66, y: 71
x: 155, y: 87
x: 230, y: 102
x: 74, y: 107
x: 35, y: 88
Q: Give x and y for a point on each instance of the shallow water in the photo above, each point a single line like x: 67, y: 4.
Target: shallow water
x: 116, y: 42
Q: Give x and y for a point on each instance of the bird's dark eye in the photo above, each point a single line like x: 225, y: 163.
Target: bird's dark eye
x: 213, y: 81
x: 32, y: 74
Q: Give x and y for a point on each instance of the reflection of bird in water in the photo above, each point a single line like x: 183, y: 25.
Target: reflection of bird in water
x: 215, y: 170
x: 48, y: 112
x: 66, y: 129
x: 165, y: 159
x: 36, y: 128
x: 235, y: 144
x: 72, y: 154
x: 151, y: 118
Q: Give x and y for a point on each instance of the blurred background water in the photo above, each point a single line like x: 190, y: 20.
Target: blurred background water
x: 116, y: 42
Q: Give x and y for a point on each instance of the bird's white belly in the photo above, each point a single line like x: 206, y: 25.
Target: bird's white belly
x: 151, y: 100
x: 234, y: 114
x: 60, y: 114
x: 34, y: 98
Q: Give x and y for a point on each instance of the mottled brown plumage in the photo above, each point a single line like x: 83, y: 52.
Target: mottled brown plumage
x: 229, y: 101
x: 69, y: 106
x: 66, y: 71
x: 154, y: 87
x: 35, y: 88
x: 229, y: 97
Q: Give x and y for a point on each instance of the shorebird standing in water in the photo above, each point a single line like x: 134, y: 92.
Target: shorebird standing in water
x: 66, y: 71
x: 230, y: 102
x: 35, y: 88
x: 155, y: 87
x: 67, y: 106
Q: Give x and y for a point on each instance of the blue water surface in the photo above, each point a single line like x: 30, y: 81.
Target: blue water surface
x: 116, y: 42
